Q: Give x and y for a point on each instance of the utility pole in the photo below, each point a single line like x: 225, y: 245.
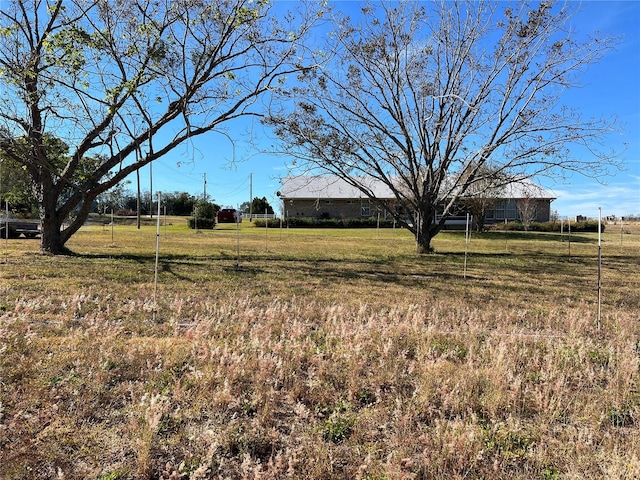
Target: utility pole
x: 204, y: 175
x: 250, y: 195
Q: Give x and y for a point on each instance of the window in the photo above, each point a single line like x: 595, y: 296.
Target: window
x: 500, y: 210
x: 365, y: 206
x: 511, y: 210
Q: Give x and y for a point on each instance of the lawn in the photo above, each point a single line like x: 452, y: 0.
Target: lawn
x: 319, y: 354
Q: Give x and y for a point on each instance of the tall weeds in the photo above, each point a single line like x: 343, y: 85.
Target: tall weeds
x: 296, y: 389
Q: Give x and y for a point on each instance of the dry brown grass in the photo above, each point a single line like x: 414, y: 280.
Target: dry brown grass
x: 319, y: 355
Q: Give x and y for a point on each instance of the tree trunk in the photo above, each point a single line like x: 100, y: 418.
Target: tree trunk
x: 426, y: 229
x: 53, y: 238
x: 53, y: 217
x: 424, y: 244
x: 478, y: 221
x: 50, y: 239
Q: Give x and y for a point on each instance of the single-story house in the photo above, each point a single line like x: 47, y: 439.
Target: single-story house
x: 519, y: 199
x: 328, y: 196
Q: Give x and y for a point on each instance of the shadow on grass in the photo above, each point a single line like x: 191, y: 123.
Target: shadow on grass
x: 427, y: 271
x: 528, y: 236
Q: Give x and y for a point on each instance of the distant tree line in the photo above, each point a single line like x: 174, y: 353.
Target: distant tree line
x: 16, y: 189
x: 125, y: 202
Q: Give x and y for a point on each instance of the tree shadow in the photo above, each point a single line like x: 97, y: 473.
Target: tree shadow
x: 529, y: 236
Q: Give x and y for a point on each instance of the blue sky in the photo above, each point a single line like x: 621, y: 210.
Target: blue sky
x: 610, y: 88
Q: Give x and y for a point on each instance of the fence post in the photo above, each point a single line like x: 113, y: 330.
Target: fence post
x: 599, y: 265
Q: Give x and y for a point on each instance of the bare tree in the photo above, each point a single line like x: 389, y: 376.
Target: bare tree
x: 123, y: 82
x: 486, y: 190
x: 482, y: 195
x: 527, y: 208
x: 424, y: 96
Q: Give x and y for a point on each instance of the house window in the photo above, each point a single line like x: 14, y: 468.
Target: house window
x: 365, y: 206
x: 500, y: 210
x: 511, y: 210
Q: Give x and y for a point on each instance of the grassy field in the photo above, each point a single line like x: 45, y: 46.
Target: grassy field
x: 319, y: 354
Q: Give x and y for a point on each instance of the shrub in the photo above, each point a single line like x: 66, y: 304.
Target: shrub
x: 204, y: 215
x: 553, y: 227
x: 205, y: 210
x: 309, y: 222
x: 587, y: 226
x: 202, y: 223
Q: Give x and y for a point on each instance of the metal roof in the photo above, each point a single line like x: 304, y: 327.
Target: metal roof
x: 332, y: 187
x: 526, y: 189
x: 329, y: 186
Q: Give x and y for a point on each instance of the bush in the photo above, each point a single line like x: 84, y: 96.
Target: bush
x: 205, y: 215
x: 203, y: 223
x: 586, y: 226
x: 308, y: 222
x: 205, y: 210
